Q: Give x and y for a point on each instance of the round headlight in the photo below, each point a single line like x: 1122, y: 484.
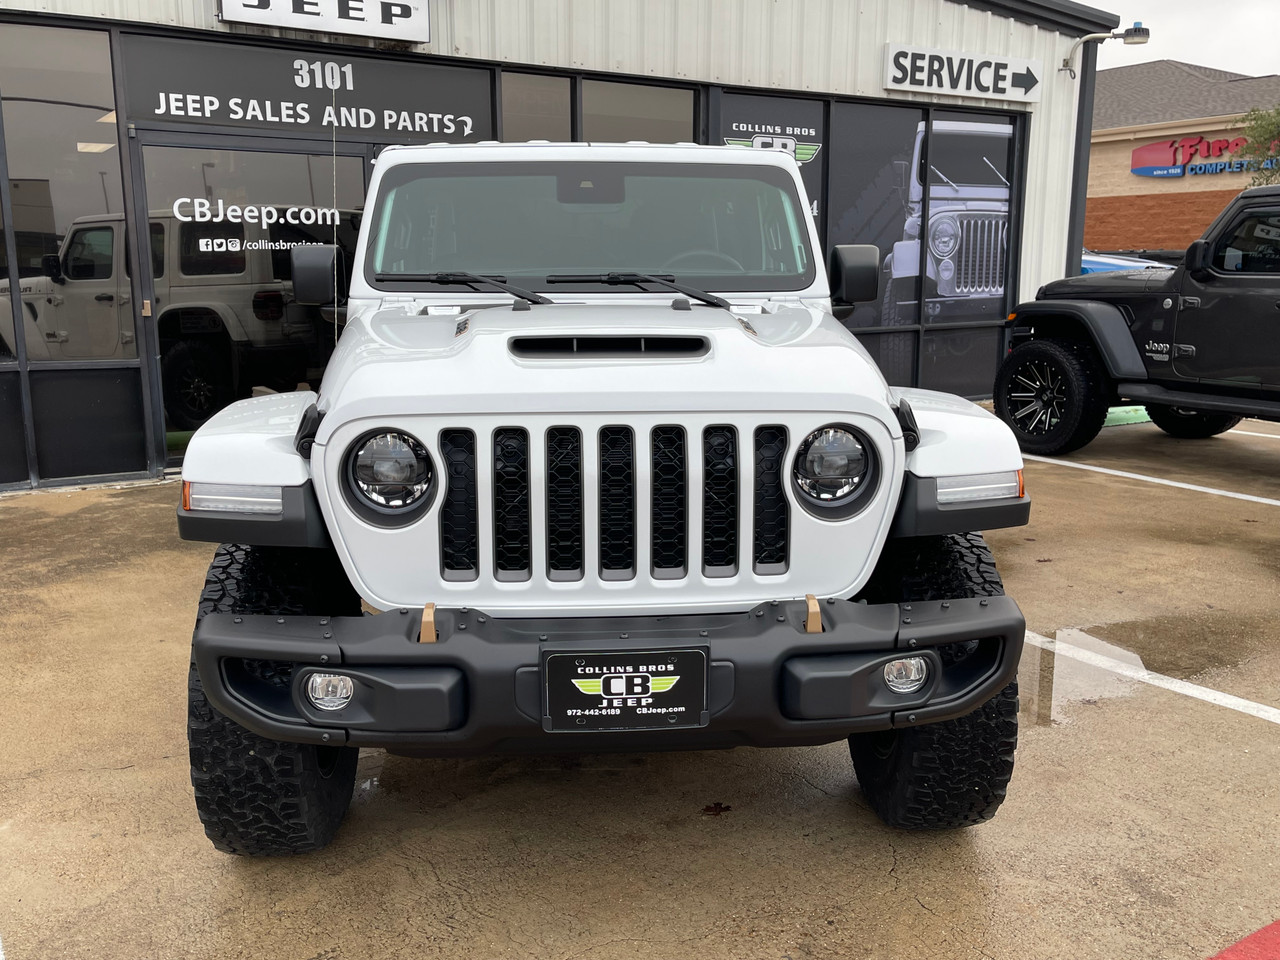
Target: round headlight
x: 944, y: 237
x: 391, y: 471
x: 831, y: 464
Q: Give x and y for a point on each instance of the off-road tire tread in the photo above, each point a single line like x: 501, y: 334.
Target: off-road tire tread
x: 260, y: 797
x: 954, y: 773
x: 1199, y: 426
x: 1090, y: 391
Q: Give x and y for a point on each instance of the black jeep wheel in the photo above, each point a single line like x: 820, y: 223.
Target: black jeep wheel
x: 260, y: 797
x: 197, y: 383
x: 1053, y: 394
x: 1190, y: 424
x: 954, y: 773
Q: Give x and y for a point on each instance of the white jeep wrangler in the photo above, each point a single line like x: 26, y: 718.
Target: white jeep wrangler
x: 593, y: 506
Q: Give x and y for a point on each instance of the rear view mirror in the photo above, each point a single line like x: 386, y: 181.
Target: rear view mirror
x: 1197, y: 259
x: 51, y: 267
x: 317, y: 272
x: 855, y: 273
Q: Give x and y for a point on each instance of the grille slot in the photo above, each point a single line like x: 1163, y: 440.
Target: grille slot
x: 670, y: 504
x: 511, y: 547
x: 980, y: 261
x: 459, y: 541
x: 617, y: 503
x: 771, y: 516
x: 720, y: 501
x: 564, y: 503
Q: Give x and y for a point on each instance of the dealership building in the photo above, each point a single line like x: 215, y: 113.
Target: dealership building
x: 1165, y: 153
x: 158, y: 160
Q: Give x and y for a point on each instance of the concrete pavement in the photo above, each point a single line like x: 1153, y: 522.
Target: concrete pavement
x: 1140, y: 822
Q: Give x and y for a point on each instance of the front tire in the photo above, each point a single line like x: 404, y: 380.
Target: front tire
x: 1190, y: 424
x: 954, y: 773
x: 1053, y: 394
x: 255, y: 796
x: 196, y: 379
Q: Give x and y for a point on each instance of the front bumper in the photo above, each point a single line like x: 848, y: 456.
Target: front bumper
x: 479, y: 689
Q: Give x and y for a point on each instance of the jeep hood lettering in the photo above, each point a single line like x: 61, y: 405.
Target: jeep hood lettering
x: 411, y: 358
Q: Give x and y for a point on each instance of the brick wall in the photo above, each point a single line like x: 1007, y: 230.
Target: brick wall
x: 1151, y: 221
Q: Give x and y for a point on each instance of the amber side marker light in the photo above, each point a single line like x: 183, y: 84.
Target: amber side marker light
x: 186, y: 494
x: 1022, y: 486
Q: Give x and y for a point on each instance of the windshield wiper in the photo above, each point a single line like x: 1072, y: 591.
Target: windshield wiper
x: 470, y: 279
x: 995, y: 171
x: 631, y: 278
x: 944, y: 177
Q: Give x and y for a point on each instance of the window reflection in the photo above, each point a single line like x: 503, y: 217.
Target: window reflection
x: 223, y: 223
x: 64, y: 165
x: 535, y: 108
x: 618, y: 112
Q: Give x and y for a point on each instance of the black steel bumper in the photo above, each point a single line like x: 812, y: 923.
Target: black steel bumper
x: 479, y: 688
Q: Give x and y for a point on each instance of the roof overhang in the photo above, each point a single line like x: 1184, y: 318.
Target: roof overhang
x: 1064, y: 16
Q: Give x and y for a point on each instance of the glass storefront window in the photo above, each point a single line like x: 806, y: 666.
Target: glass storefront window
x: 64, y: 165
x: 536, y: 107
x: 617, y: 112
x: 222, y: 225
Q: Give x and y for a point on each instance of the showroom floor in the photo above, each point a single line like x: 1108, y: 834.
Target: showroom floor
x: 1143, y: 819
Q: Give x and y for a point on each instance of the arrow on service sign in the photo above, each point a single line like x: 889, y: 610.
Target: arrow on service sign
x: 961, y: 74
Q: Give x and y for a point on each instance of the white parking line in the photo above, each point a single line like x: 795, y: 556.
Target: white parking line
x: 1062, y: 649
x: 1160, y: 480
x: 1250, y: 433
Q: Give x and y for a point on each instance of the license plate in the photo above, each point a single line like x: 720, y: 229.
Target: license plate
x: 627, y: 690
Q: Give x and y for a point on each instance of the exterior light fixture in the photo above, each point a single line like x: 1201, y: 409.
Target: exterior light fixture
x: 1133, y: 35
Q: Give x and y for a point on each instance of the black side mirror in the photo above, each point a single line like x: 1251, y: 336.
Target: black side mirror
x: 1198, y: 259
x: 855, y: 273
x: 51, y: 267
x: 317, y: 272
x: 900, y: 168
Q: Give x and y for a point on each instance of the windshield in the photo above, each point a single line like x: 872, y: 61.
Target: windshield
x: 712, y: 226
x: 972, y: 159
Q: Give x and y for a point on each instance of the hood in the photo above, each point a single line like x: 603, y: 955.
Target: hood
x: 1110, y: 283
x: 596, y: 356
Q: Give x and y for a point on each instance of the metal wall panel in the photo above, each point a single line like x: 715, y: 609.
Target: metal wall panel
x: 823, y: 46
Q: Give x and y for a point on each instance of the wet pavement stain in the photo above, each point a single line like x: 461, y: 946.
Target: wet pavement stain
x: 1187, y: 646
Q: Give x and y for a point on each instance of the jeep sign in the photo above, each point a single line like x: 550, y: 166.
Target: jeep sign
x: 923, y: 70
x: 388, y: 19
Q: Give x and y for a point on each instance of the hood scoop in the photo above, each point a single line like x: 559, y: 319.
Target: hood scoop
x: 608, y: 347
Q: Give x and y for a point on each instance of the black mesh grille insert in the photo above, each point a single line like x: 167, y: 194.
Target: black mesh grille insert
x: 458, y: 525
x: 771, y: 513
x: 720, y: 501
x: 670, y: 500
x: 617, y: 501
x: 511, y: 500
x: 564, y: 500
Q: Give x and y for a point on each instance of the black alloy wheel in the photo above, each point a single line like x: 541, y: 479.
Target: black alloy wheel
x: 1053, y: 394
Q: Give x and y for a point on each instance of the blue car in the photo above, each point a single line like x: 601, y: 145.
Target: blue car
x: 1100, y: 263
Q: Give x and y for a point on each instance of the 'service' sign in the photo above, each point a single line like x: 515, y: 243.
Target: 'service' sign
x: 960, y: 74
x: 387, y: 19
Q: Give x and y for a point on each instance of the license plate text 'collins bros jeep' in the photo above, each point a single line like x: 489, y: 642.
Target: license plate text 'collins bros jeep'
x: 594, y: 448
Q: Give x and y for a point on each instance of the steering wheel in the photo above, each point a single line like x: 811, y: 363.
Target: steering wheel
x: 712, y: 254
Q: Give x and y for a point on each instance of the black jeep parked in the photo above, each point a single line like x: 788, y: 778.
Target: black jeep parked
x: 1198, y: 344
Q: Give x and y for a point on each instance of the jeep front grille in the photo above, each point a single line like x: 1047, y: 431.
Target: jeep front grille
x: 771, y: 511
x: 670, y: 504
x: 458, y: 547
x: 980, y: 259
x: 619, y: 525
x: 511, y: 543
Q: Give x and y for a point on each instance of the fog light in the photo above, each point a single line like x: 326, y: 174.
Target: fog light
x: 331, y: 691
x: 906, y: 675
